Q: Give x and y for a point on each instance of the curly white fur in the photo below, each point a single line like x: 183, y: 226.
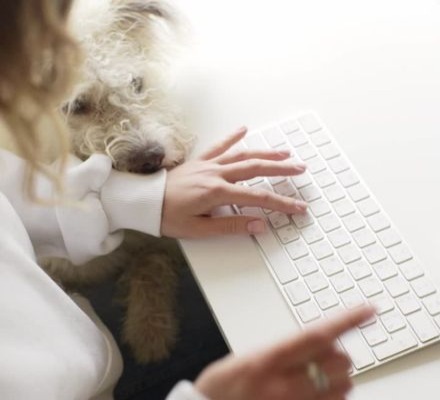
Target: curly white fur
x: 119, y: 105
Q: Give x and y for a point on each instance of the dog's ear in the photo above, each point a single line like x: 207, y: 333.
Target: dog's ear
x: 136, y: 11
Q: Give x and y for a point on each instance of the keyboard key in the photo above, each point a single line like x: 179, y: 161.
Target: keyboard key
x: 326, y: 299
x: 411, y: 269
x: 320, y: 138
x: 297, y: 292
x: 329, y: 222
x: 344, y: 207
x: 359, y: 269
x: 399, y: 342
x: 302, y: 220
x: 310, y: 193
x: 339, y: 238
x: 393, y: 321
x: 309, y: 123
x: 368, y: 207
x: 382, y: 303
x: 374, y: 253
x: 297, y: 249
x: 348, y: 178
x: 432, y: 304
x: 338, y: 164
x: 312, y: 234
x: 385, y: 269
x: 353, y: 222
x: 319, y: 207
x: 315, y: 165
x: 342, y: 282
x: 408, y: 304
x: 280, y: 263
x: 374, y: 334
x: 298, y: 139
x: 396, y: 286
x: 349, y: 253
x: 322, y: 249
x: 301, y: 180
x: 357, y: 349
x: 308, y: 312
x: 325, y: 179
x: 316, y: 282
x: 352, y: 298
x: 334, y: 192
x: 364, y: 237
x: 423, y: 326
x: 358, y: 192
x: 306, y: 265
x: 262, y: 186
x: 306, y: 151
x: 254, y: 181
x: 289, y: 126
x: 400, y: 253
x: 329, y: 151
x: 287, y: 234
x: 278, y: 219
x: 423, y: 287
x: 389, y: 237
x: 252, y: 211
x: 285, y: 188
x: 378, y: 222
x: 331, y: 265
x: 370, y: 286
x: 275, y: 180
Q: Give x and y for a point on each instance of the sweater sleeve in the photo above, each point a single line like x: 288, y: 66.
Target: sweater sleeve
x: 99, y: 203
x: 184, y: 390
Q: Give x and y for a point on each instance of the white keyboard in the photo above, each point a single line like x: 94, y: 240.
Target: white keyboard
x: 344, y: 251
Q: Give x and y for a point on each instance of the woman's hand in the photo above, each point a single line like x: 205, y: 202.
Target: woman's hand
x: 289, y: 370
x: 195, y: 188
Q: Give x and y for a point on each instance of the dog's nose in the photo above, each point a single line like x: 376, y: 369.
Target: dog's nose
x: 150, y: 160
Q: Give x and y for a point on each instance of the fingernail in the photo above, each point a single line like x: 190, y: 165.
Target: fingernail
x: 301, y: 166
x: 302, y: 205
x: 255, y: 227
x: 241, y: 131
x: 284, y: 153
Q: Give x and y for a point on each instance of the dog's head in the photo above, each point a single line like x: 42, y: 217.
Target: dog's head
x: 118, y: 105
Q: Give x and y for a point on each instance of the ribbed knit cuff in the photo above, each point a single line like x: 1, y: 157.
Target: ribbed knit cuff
x: 134, y: 201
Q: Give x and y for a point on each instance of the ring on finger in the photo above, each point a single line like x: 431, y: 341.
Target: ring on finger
x: 318, y: 377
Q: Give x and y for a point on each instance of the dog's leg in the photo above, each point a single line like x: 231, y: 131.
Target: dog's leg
x: 150, y: 327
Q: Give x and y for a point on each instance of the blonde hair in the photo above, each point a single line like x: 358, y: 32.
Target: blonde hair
x: 37, y: 64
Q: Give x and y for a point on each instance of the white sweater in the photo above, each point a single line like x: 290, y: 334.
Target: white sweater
x: 52, y: 346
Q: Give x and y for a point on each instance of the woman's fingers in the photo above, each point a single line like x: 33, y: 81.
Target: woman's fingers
x: 248, y: 169
x: 214, y: 226
x: 225, y: 145
x: 309, y: 345
x: 242, y: 155
x: 248, y: 197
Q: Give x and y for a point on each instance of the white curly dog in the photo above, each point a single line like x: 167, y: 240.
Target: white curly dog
x: 119, y: 107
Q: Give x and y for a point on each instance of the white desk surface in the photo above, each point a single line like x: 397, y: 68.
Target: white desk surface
x: 371, y: 70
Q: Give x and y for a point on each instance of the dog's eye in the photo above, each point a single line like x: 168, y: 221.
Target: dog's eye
x: 138, y: 84
x: 78, y: 107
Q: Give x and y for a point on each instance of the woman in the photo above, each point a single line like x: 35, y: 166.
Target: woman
x: 53, y: 346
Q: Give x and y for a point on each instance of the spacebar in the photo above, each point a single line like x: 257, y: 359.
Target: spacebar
x: 357, y: 349
x: 277, y: 257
